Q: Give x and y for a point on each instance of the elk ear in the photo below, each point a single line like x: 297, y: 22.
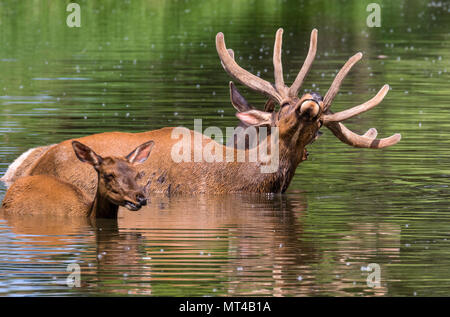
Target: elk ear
x: 255, y: 117
x: 141, y: 153
x: 85, y: 154
x: 237, y: 100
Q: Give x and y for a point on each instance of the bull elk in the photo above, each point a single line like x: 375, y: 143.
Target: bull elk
x: 116, y: 186
x: 298, y: 121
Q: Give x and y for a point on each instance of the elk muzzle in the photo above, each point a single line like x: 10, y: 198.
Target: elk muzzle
x: 136, y: 203
x: 309, y: 108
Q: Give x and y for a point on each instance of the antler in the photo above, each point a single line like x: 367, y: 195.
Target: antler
x: 279, y: 91
x: 334, y: 88
x: 242, y: 104
x: 333, y: 120
x: 277, y: 66
x: 364, y: 141
x: 295, y: 87
x: 349, y: 113
x: 241, y: 75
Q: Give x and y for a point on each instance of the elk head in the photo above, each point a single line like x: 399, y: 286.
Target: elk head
x: 118, y: 176
x: 299, y: 118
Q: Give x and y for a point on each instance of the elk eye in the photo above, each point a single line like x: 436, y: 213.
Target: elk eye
x: 139, y: 175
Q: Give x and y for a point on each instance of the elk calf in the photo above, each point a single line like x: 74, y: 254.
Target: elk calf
x: 116, y: 186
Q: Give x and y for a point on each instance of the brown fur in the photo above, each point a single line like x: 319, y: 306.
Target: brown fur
x: 116, y: 185
x: 36, y: 195
x: 166, y: 176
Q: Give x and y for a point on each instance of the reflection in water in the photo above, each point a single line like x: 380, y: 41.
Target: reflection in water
x: 216, y: 245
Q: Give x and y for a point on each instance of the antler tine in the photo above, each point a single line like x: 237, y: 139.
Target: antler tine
x: 277, y: 65
x: 334, y: 88
x: 346, y: 114
x: 371, y: 133
x: 365, y: 141
x: 268, y: 107
x: 240, y: 74
x: 231, y: 52
x: 295, y: 87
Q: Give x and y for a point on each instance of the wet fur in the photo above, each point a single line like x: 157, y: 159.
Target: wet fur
x: 164, y: 175
x: 36, y: 195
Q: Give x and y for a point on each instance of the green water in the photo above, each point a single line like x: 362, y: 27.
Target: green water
x: 142, y: 65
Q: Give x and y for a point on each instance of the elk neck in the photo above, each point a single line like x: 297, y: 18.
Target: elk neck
x: 101, y: 207
x: 290, y: 156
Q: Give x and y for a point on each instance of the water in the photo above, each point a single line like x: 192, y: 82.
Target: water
x: 137, y: 66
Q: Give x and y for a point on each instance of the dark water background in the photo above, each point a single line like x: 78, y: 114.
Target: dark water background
x: 142, y: 65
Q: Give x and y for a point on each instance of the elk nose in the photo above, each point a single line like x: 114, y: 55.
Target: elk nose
x: 310, y: 108
x: 141, y: 199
